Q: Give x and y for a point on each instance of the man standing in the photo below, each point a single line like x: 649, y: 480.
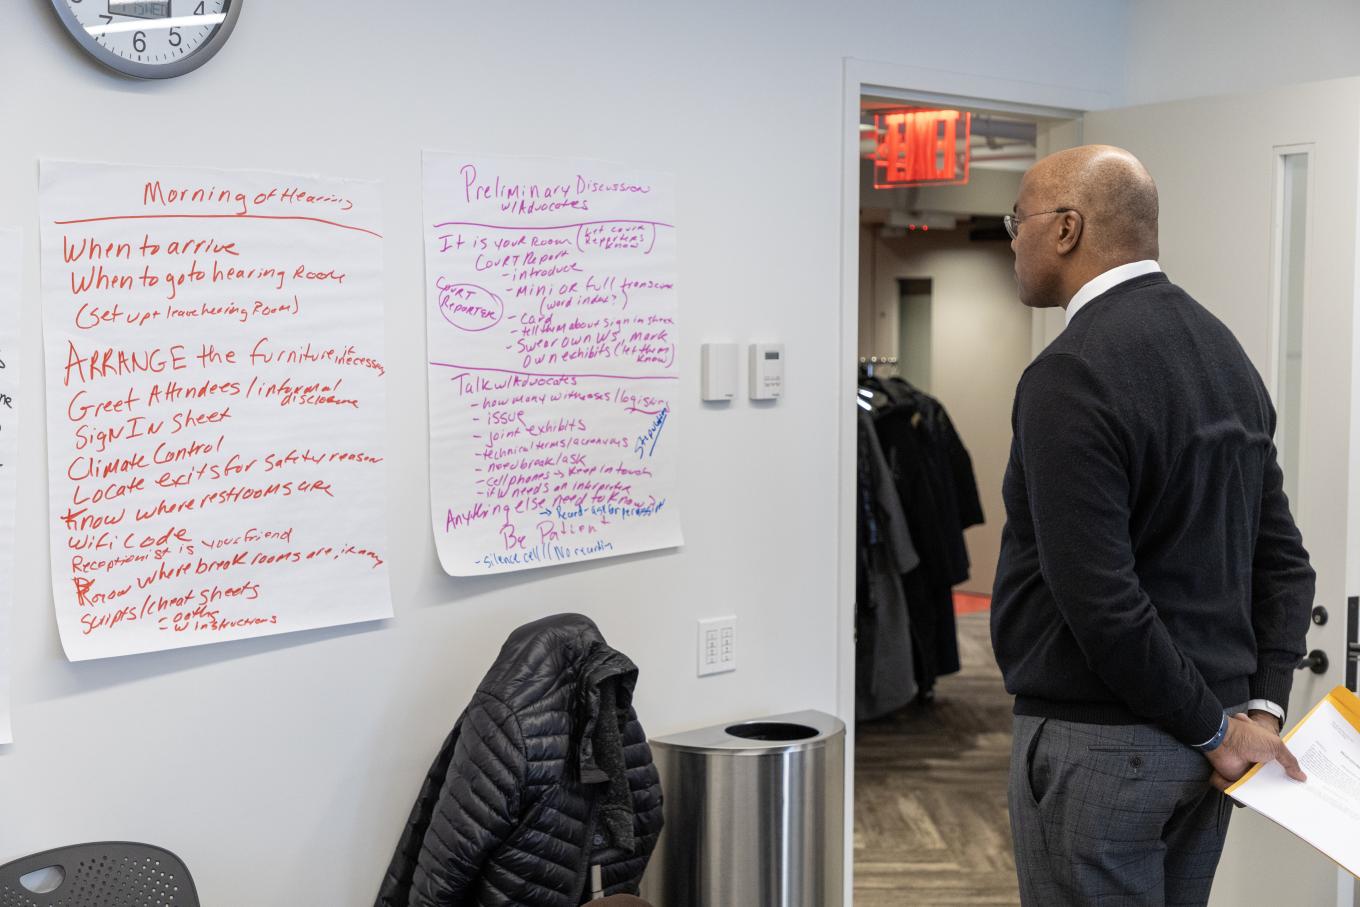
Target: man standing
x: 1151, y: 582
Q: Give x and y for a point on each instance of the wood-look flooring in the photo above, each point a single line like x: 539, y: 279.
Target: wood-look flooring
x: 931, y: 826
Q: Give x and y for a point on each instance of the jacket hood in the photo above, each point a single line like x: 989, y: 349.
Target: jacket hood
x: 566, y: 648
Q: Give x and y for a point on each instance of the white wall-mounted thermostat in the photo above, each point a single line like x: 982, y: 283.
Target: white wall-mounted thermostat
x: 767, y: 371
x: 718, y: 372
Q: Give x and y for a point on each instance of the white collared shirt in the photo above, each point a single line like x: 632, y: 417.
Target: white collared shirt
x: 1108, y: 281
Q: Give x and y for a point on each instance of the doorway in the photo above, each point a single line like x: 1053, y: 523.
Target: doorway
x: 1208, y: 193
x: 940, y: 330
x: 913, y: 330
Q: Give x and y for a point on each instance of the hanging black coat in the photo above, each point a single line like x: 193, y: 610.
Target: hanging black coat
x: 546, y: 772
x: 885, y: 673
x: 933, y: 474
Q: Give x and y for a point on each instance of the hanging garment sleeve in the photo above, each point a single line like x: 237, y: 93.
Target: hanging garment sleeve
x: 891, y: 518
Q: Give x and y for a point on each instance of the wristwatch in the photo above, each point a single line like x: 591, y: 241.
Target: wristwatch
x: 1265, y: 705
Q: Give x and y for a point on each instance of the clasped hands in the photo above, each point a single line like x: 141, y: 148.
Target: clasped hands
x: 1253, y: 737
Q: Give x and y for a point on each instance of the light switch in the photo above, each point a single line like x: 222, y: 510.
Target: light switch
x: 717, y: 645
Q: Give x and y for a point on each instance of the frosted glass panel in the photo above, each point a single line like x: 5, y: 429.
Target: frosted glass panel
x: 1289, y: 369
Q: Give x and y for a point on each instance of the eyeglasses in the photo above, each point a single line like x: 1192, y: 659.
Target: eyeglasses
x: 1012, y: 222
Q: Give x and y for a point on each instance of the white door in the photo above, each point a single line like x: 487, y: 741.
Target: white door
x: 1259, y: 223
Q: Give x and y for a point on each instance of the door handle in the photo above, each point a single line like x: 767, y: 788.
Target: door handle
x: 1315, y: 661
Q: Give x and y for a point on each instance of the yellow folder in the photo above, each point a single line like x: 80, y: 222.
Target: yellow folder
x: 1324, y: 810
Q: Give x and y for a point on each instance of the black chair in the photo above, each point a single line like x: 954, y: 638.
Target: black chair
x: 102, y: 874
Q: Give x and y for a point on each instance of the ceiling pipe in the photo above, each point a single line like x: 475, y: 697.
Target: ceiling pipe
x: 1005, y: 129
x: 987, y: 128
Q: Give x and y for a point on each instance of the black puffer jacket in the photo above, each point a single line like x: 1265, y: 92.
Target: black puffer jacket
x: 546, y: 773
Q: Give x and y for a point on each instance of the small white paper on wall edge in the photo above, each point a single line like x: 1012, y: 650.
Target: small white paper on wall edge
x: 11, y: 245
x: 216, y: 404
x: 551, y: 311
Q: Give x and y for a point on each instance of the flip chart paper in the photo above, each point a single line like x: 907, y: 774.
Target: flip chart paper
x: 551, y: 308
x: 10, y: 246
x: 1324, y: 810
x: 215, y: 404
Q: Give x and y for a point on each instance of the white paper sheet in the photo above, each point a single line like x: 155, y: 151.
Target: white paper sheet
x: 216, y: 404
x: 551, y: 307
x: 1324, y: 810
x: 10, y: 248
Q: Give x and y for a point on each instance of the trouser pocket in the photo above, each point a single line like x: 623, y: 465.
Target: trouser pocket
x: 1038, y: 771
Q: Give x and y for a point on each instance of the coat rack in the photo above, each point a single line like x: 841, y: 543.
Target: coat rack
x: 869, y: 364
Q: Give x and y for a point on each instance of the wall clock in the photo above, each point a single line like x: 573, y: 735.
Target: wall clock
x: 150, y: 39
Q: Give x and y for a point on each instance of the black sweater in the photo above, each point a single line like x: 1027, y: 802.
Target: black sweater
x: 1150, y: 571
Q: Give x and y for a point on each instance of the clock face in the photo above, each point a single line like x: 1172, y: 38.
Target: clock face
x: 150, y: 39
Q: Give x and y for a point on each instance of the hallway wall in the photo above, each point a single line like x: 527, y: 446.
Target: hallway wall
x: 980, y: 343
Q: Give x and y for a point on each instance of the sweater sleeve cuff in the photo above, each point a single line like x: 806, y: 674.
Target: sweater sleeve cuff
x: 1197, y: 722
x: 1273, y: 684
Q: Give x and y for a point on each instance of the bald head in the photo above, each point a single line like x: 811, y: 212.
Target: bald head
x: 1113, y: 192
x: 1080, y: 213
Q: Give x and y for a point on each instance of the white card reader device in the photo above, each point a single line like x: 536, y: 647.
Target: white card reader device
x: 767, y: 371
x: 718, y: 372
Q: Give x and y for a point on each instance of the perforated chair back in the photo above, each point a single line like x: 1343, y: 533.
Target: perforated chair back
x: 102, y: 874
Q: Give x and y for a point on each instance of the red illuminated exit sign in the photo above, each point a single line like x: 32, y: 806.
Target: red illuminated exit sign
x: 921, y: 147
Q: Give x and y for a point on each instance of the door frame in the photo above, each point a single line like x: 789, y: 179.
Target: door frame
x: 918, y: 85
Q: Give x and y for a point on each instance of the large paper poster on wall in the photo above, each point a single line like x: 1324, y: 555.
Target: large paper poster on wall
x: 9, y: 449
x: 551, y: 308
x: 215, y: 404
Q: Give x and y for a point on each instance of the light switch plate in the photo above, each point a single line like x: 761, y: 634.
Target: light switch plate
x: 717, y: 645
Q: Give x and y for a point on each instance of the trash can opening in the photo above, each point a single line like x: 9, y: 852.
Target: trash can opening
x: 772, y: 730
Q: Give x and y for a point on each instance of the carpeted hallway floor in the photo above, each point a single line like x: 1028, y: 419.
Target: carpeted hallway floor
x: 931, y: 826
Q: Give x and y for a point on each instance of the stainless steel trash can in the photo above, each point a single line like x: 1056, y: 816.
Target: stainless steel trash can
x: 755, y: 814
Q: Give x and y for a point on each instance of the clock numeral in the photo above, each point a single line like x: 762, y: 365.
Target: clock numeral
x: 121, y: 33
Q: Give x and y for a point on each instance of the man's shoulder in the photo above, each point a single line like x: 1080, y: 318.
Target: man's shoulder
x: 1145, y: 310
x: 1137, y: 333
x: 1134, y: 314
x: 1131, y: 299
x: 1060, y: 367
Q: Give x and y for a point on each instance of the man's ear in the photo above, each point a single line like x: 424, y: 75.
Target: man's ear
x: 1069, y: 231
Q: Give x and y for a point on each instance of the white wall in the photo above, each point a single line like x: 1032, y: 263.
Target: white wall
x: 1179, y: 49
x: 281, y: 769
x: 980, y: 343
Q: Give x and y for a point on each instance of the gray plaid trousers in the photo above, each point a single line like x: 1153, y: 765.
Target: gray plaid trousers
x: 1112, y: 815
